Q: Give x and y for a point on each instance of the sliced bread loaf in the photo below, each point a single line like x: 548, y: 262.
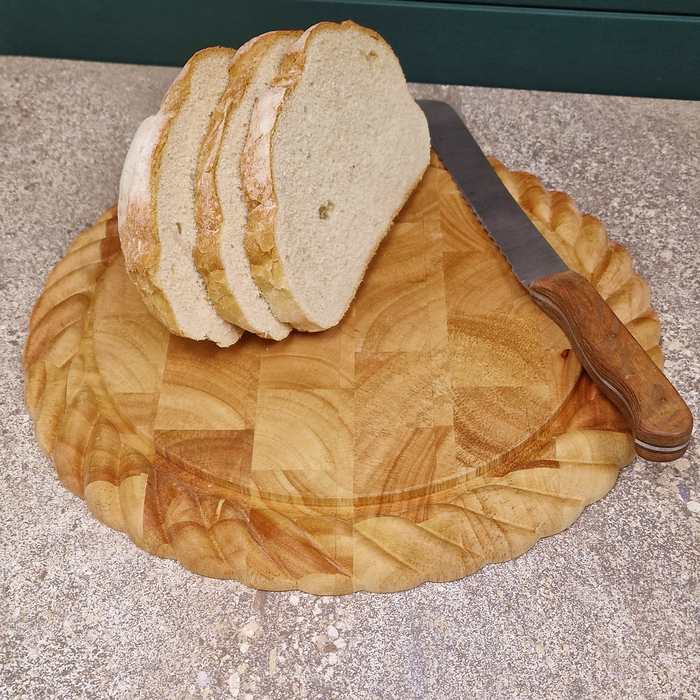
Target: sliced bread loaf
x: 334, y: 149
x: 221, y: 206
x: 156, y: 207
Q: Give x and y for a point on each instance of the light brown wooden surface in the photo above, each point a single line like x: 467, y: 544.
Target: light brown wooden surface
x: 443, y: 425
x: 661, y: 422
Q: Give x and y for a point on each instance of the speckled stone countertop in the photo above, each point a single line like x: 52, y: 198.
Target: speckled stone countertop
x: 610, y: 608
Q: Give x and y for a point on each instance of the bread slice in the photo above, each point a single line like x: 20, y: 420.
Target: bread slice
x: 334, y: 149
x: 221, y: 206
x: 157, y: 225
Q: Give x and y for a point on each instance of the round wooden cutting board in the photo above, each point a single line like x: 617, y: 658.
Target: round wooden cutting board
x: 443, y: 425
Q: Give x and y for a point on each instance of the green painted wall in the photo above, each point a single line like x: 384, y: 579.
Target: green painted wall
x: 661, y: 7
x: 634, y: 47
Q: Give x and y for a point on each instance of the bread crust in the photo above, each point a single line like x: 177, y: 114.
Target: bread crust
x: 208, y: 212
x: 137, y: 216
x: 258, y: 181
x: 137, y: 210
x: 258, y: 185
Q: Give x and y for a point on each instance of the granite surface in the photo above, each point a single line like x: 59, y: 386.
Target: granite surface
x: 609, y: 608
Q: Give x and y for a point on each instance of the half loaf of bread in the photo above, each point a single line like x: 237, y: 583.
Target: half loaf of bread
x: 221, y: 206
x: 156, y: 207
x: 334, y: 149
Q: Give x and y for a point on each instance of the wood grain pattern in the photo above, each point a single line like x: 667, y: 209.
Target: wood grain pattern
x: 443, y: 425
x: 661, y: 421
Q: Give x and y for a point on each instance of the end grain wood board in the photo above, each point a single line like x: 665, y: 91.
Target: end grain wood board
x: 443, y: 425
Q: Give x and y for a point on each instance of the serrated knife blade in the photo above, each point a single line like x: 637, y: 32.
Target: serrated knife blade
x: 659, y: 418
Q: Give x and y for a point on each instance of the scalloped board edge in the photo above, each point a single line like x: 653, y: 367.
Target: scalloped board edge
x: 129, y: 487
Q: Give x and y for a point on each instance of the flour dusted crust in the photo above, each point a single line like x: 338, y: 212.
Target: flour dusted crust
x: 137, y: 209
x: 138, y: 232
x: 256, y: 167
x: 208, y: 252
x: 307, y: 274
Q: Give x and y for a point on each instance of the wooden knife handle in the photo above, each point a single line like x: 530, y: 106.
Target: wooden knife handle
x: 661, y: 421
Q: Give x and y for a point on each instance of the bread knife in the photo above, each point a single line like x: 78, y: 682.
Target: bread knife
x: 660, y: 420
